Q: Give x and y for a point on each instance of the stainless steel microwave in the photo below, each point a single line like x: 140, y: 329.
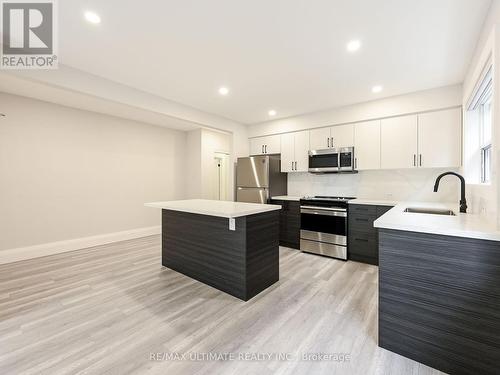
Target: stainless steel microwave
x: 332, y: 160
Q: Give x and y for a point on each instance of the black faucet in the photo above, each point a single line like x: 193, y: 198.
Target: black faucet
x: 463, y: 202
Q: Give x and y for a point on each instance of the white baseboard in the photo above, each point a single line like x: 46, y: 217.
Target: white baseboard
x: 36, y: 251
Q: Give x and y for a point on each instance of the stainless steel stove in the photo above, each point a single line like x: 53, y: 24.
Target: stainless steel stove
x: 323, y: 225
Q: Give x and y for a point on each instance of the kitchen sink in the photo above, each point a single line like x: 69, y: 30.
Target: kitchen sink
x: 432, y: 211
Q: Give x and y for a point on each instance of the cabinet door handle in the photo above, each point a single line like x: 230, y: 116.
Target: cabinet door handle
x: 361, y: 239
x: 262, y: 148
x: 295, y: 165
x: 420, y: 159
x: 292, y: 165
x: 265, y: 149
x: 331, y: 141
x: 359, y: 219
x: 328, y: 142
x: 414, y: 160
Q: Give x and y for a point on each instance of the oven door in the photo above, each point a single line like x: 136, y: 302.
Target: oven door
x: 324, y: 224
x: 321, y: 161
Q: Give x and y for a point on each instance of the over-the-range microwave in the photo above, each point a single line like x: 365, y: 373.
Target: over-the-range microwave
x: 332, y: 160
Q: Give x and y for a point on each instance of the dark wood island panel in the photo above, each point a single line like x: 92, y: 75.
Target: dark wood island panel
x: 242, y: 262
x: 439, y: 300
x: 289, y: 223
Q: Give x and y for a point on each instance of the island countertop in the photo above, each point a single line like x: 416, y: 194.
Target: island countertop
x: 215, y: 208
x: 461, y: 225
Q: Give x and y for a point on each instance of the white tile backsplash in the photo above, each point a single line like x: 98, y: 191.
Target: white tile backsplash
x: 401, y: 184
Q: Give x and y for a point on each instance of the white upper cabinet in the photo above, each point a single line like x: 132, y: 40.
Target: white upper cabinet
x: 256, y: 146
x: 287, y: 152
x: 319, y: 139
x: 295, y: 152
x: 398, y: 137
x: 335, y: 136
x: 342, y: 135
x: 273, y: 144
x: 302, y: 151
x: 265, y: 145
x: 439, y: 139
x: 367, y: 145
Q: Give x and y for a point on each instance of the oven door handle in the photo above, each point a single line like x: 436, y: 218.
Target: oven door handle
x: 323, y: 211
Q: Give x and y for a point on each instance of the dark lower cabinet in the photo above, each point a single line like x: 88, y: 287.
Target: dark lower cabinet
x: 439, y: 300
x: 362, y: 236
x: 289, y: 223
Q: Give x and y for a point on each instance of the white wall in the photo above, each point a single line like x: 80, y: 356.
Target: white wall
x: 397, y: 185
x: 67, y: 173
x: 483, y: 199
x: 192, y: 172
x: 444, y: 97
x: 78, y: 89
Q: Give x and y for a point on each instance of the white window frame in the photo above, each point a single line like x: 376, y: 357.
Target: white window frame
x: 483, y: 94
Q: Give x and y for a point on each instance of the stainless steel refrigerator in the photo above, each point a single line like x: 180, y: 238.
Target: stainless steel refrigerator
x: 258, y: 178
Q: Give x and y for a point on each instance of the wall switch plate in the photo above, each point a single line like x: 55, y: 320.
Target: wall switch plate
x: 232, y: 223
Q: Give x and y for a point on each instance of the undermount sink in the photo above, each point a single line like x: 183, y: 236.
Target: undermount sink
x: 432, y: 211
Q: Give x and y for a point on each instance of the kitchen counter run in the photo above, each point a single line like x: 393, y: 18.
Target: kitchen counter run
x: 286, y: 198
x: 462, y: 225
x: 373, y: 202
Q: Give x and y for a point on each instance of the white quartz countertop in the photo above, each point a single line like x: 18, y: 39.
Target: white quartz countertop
x: 461, y: 225
x: 286, y: 198
x: 215, y: 208
x: 374, y: 202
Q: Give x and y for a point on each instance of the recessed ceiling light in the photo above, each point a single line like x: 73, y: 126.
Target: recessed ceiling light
x: 353, y: 45
x: 223, y: 90
x: 92, y: 17
x: 376, y: 89
x: 272, y: 113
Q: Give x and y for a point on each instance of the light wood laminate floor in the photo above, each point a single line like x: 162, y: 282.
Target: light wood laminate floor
x: 104, y: 310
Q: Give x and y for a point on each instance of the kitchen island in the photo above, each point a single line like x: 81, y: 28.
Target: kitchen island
x: 231, y: 246
x: 439, y: 287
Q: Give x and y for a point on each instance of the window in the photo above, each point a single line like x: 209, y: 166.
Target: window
x: 480, y: 110
x: 485, y: 117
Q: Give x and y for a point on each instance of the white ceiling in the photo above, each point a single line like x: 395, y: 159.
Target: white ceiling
x: 287, y: 55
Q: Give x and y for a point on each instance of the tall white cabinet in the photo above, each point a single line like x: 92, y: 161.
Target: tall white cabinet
x: 398, y: 143
x: 295, y: 152
x: 367, y: 145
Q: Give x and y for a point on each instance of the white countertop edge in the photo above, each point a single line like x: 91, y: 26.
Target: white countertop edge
x: 462, y: 225
x: 286, y: 198
x: 444, y: 232
x: 226, y: 209
x: 374, y: 202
